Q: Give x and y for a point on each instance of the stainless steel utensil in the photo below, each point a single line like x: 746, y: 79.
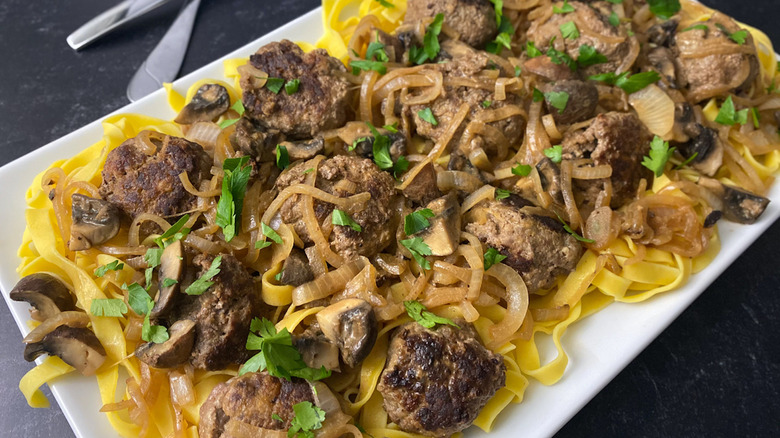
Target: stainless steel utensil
x: 164, y: 62
x: 110, y: 20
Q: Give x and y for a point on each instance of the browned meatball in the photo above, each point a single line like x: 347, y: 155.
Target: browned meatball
x: 323, y: 98
x: 536, y: 246
x: 345, y: 176
x: 592, y: 20
x: 732, y: 67
x: 140, y: 183
x: 222, y: 314
x: 436, y: 381
x: 617, y: 139
x: 474, y: 20
x: 581, y: 105
x: 251, y: 401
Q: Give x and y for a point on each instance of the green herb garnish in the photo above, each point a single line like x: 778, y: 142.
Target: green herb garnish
x: 203, y: 282
x: 234, y: 183
x: 418, y: 312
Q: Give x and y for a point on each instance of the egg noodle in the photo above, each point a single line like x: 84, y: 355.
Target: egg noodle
x: 139, y: 400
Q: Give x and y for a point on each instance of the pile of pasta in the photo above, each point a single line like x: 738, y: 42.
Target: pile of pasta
x: 140, y: 401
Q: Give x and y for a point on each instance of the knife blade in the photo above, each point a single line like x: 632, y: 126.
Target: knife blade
x: 110, y: 20
x: 164, y: 62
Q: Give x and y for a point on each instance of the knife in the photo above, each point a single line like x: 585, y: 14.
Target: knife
x: 110, y: 20
x: 164, y: 62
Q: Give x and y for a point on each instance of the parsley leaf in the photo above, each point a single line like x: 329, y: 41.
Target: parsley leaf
x: 282, y: 157
x: 367, y: 65
x: 274, y: 85
x: 381, y: 151
x: 307, y: 419
x: 531, y: 50
x: 271, y: 234
x: 202, y: 283
x: 419, y: 250
x: 569, y: 30
x: 491, y: 257
x: 538, y: 96
x: 738, y: 37
x: 277, y: 354
x: 138, y: 299
x: 664, y: 8
x: 728, y: 115
x: 572, y: 232
x: 565, y: 8
x: 502, y: 194
x: 427, y: 115
x: 108, y: 307
x: 486, y: 103
x: 116, y: 265
x: 418, y: 312
x: 498, y: 6
x: 559, y: 57
x: 703, y: 27
x: 386, y: 3
x: 339, y: 217
x: 687, y: 161
x: 391, y: 128
x: 174, y: 233
x: 417, y: 221
x: 558, y: 99
x: 754, y: 113
x: 231, y: 202
x: 153, y: 333
x: 590, y: 56
x: 614, y: 20
x: 291, y: 86
x: 629, y: 84
x: 660, y: 152
x: 168, y: 282
x: 504, y: 37
x: 237, y: 107
x: 518, y: 70
x: 521, y: 170
x: 431, y: 45
x: 555, y: 153
x: 376, y: 51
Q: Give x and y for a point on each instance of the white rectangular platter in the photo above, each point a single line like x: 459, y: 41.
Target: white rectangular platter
x: 599, y: 346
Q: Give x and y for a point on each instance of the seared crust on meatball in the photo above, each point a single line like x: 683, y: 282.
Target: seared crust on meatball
x: 252, y: 399
x: 140, y: 183
x: 536, y: 246
x: 323, y: 98
x: 436, y: 381
x: 345, y: 176
x: 222, y: 314
x: 474, y: 20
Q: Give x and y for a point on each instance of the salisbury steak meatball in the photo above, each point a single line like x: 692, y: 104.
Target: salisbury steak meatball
x: 536, y: 246
x: 140, y: 180
x: 474, y: 20
x: 345, y: 176
x: 248, y: 403
x: 222, y: 314
x: 436, y: 381
x: 321, y: 102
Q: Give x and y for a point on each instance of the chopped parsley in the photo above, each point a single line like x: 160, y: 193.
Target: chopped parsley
x: 367, y: 65
x: 486, y: 103
x: 518, y: 70
x: 728, y: 115
x: 558, y: 100
x: 203, y: 282
x: 427, y: 115
x: 687, y: 161
x: 339, y: 217
x: 274, y: 85
x: 629, y: 84
x: 418, y: 312
x: 307, y: 419
x: 385, y: 3
x: 108, y: 307
x: 590, y: 56
x: 754, y: 114
x: 538, y: 96
x: 139, y: 300
x: 491, y: 257
x: 504, y: 37
x: 269, y: 233
x: 569, y: 30
x: 277, y: 354
x: 664, y: 8
x: 564, y: 9
x: 417, y: 221
x: 116, y: 265
x: 419, y: 250
x: 521, y: 170
x: 531, y: 50
x: 431, y: 47
x: 282, y: 157
x: 391, y: 128
x: 237, y: 107
x: 502, y: 194
x: 291, y: 86
x: 381, y: 151
x: 660, y: 152
x: 234, y: 183
x: 572, y: 232
x: 559, y: 57
x: 614, y: 20
x: 168, y: 282
x: 703, y: 27
x: 554, y: 153
x: 738, y: 37
x: 174, y: 233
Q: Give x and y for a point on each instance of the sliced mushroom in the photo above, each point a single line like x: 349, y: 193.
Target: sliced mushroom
x: 173, y: 352
x: 661, y: 34
x: 708, y: 149
x: 739, y: 205
x: 296, y: 269
x: 317, y: 351
x: 46, y: 294
x: 550, y: 176
x: 72, y: 318
x: 662, y: 61
x: 422, y: 188
x: 443, y: 236
x: 209, y: 102
x: 393, y: 45
x: 171, y: 268
x: 544, y: 66
x: 351, y: 324
x: 304, y: 150
x: 94, y: 221
x: 76, y: 346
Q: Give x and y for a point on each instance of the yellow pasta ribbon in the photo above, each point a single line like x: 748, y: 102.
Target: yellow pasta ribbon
x: 51, y: 368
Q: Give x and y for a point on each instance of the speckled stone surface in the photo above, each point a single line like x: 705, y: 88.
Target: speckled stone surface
x: 715, y: 372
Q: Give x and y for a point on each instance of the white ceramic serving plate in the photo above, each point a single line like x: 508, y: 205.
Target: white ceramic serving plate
x: 599, y: 347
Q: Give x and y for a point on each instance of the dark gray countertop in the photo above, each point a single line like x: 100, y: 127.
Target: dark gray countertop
x: 714, y: 372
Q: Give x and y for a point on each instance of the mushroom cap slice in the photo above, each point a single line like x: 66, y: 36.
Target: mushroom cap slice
x: 209, y: 102
x: 171, y: 267
x: 304, y: 150
x: 317, y: 351
x: 45, y: 293
x: 351, y: 324
x: 173, y: 352
x: 76, y: 346
x: 94, y: 221
x: 296, y: 269
x: 443, y: 236
x: 742, y: 206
